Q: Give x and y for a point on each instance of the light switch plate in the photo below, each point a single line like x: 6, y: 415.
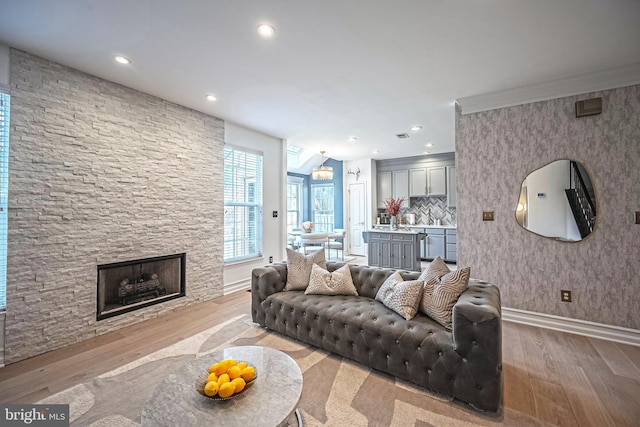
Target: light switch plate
x: 487, y: 215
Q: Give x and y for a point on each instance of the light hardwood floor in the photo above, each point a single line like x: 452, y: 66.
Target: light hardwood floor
x: 558, y: 378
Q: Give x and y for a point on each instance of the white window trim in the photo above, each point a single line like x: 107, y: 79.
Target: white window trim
x: 260, y: 204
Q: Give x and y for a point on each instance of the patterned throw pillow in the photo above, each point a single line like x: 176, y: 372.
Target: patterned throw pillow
x: 339, y: 282
x: 401, y: 296
x: 299, y: 268
x: 438, y: 300
x: 431, y: 277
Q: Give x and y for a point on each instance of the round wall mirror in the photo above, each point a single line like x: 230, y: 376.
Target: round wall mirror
x: 558, y: 201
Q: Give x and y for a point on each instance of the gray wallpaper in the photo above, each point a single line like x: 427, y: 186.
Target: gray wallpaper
x: 100, y: 173
x: 496, y: 149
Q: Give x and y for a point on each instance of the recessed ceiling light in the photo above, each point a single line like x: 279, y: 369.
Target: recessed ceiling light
x: 122, y: 59
x: 376, y: 151
x: 211, y: 98
x: 266, y: 30
x: 352, y: 139
x: 427, y: 152
x: 429, y: 145
x: 416, y: 128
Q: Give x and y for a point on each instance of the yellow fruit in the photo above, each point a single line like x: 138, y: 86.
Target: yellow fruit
x: 239, y: 384
x: 242, y: 365
x: 232, y: 362
x: 211, y: 388
x: 213, y: 368
x: 226, y: 390
x: 222, y: 367
x: 212, y: 377
x: 224, y: 378
x: 248, y: 373
x: 234, y: 372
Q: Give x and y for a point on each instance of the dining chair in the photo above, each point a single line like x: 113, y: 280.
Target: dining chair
x: 292, y: 237
x: 311, y: 240
x: 335, y: 241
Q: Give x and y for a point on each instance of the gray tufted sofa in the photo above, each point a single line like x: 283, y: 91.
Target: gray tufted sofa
x: 465, y: 363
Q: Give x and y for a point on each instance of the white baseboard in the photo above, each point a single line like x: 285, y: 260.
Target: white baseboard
x: 236, y: 286
x: 573, y: 326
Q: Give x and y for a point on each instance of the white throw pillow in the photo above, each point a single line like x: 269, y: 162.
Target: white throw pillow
x: 401, y: 296
x: 299, y: 268
x: 323, y: 282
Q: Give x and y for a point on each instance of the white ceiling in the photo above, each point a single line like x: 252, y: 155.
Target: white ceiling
x: 335, y: 68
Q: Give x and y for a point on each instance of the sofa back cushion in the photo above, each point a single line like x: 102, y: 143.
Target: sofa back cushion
x: 368, y: 280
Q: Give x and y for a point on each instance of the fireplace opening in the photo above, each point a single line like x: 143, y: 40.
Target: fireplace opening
x: 131, y: 285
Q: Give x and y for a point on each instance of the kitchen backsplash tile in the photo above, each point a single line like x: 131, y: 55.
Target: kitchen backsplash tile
x: 419, y: 206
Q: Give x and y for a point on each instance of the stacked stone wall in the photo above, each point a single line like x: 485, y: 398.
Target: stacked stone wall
x: 101, y: 173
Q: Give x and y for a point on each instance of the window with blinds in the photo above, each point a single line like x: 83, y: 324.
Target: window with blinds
x: 322, y: 214
x: 242, y: 204
x: 294, y: 202
x: 4, y: 193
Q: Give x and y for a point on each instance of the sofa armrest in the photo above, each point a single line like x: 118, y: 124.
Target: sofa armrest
x: 477, y: 337
x: 265, y: 281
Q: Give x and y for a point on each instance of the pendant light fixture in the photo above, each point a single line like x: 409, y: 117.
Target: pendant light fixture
x: 322, y: 172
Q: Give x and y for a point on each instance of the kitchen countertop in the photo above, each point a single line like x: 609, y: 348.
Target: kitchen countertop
x: 400, y: 230
x: 448, y: 226
x: 384, y: 227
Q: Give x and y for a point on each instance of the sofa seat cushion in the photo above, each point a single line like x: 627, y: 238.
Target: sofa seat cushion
x: 418, y: 350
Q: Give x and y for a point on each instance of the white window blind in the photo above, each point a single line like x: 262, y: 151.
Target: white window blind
x: 4, y: 194
x: 242, y: 204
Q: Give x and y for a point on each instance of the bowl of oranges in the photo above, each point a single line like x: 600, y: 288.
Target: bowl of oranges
x: 226, y: 379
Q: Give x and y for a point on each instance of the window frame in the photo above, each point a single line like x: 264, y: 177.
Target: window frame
x: 318, y: 225
x: 255, y: 238
x: 299, y: 183
x: 5, y: 112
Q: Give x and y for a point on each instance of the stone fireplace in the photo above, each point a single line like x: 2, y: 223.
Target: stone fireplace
x: 130, y: 285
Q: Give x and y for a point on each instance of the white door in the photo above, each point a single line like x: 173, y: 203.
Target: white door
x: 357, y: 218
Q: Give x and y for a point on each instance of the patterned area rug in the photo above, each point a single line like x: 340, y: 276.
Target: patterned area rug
x: 336, y: 391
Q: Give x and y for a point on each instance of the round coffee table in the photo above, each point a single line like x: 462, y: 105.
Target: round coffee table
x: 270, y: 400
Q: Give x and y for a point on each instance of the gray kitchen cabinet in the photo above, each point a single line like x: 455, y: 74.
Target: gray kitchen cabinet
x: 452, y: 187
x: 437, y: 181
x: 452, y: 242
x: 434, y: 243
x: 385, y: 189
x: 418, y: 182
x: 399, y: 250
x: 401, y: 185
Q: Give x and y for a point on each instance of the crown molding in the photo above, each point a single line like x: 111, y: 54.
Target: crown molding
x: 608, y: 79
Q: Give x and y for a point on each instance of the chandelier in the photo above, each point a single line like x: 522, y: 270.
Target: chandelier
x: 322, y: 172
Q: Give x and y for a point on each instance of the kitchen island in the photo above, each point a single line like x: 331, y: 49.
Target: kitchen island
x: 399, y: 249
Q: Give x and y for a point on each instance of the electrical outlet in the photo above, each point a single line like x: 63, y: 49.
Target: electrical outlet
x: 487, y: 215
x: 565, y: 296
x: 275, y: 214
x: 270, y: 259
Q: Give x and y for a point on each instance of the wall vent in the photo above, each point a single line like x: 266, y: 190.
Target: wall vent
x: 588, y: 107
x: 402, y: 135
